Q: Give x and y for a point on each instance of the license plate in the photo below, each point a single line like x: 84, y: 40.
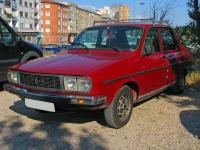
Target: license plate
x: 40, y: 105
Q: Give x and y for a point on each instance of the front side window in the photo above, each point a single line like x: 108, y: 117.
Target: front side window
x: 115, y: 37
x: 168, y: 41
x: 5, y: 34
x: 152, y: 40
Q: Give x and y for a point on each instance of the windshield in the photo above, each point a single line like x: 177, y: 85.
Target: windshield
x: 114, y: 37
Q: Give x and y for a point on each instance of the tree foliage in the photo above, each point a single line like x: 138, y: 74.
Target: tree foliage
x: 194, y: 14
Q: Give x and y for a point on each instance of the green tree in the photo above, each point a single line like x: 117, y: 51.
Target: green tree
x: 194, y: 14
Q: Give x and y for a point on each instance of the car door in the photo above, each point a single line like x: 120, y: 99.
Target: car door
x: 155, y: 64
x: 9, y: 52
x: 172, y: 53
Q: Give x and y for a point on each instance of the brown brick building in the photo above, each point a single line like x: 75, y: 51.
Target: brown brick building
x: 63, y: 21
x: 54, y: 20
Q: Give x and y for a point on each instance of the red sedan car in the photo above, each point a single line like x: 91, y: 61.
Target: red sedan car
x: 108, y: 67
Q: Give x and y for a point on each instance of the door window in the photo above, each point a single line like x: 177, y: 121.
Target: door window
x: 152, y: 40
x: 6, y: 35
x: 168, y: 40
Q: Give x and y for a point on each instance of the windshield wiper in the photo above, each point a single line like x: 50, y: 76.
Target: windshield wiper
x: 101, y: 45
x: 81, y: 45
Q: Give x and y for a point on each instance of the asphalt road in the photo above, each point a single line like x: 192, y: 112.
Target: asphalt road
x: 163, y: 122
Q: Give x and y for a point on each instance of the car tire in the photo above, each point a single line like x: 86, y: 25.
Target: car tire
x: 118, y: 113
x: 179, y: 86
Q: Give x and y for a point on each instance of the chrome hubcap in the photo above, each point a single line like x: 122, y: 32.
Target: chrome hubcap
x: 123, y: 107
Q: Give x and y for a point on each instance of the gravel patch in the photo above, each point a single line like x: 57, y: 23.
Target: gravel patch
x: 165, y: 122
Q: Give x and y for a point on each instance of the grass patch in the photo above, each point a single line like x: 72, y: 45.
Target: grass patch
x: 193, y: 80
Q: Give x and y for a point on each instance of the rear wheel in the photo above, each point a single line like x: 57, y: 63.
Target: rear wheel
x: 118, y: 113
x: 179, y: 86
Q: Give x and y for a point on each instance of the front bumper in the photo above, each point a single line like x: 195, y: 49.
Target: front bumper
x: 55, y: 98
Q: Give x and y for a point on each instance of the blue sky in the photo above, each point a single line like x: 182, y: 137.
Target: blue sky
x: 180, y: 12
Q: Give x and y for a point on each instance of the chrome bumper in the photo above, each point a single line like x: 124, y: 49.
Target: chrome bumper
x: 55, y: 98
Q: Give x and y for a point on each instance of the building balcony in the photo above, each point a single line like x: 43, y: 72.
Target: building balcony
x: 36, y: 20
x: 36, y: 10
x: 15, y: 17
x: 7, y: 3
x: 14, y: 5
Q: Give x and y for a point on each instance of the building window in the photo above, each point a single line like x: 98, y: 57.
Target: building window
x: 58, y: 7
x: 26, y: 15
x: 41, y: 5
x: 58, y: 30
x: 58, y: 14
x: 21, y: 2
x: 47, y: 21
x: 41, y: 29
x: 47, y: 30
x: 41, y: 13
x: 31, y: 26
x: 47, y: 5
x: 26, y: 4
x: 47, y: 39
x: 58, y: 22
x: 21, y: 14
x: 47, y: 13
x: 31, y: 5
x: 31, y: 15
x: 21, y: 25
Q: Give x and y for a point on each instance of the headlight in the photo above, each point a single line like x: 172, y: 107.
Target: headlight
x: 77, y: 84
x: 84, y: 85
x: 12, y: 76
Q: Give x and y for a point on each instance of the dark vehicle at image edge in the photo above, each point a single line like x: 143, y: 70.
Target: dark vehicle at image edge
x: 13, y: 49
x: 107, y: 67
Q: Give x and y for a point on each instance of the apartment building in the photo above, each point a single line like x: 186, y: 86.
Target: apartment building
x: 121, y: 12
x: 24, y: 17
x: 105, y: 12
x: 54, y: 20
x: 79, y: 19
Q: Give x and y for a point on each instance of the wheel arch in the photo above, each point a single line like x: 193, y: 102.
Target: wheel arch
x: 133, y: 86
x: 29, y: 56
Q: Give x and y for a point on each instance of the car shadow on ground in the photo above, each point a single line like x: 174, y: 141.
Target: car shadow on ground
x: 60, y: 116
x: 190, y: 117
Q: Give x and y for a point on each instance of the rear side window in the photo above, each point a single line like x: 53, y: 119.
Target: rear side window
x: 168, y: 40
x: 5, y: 34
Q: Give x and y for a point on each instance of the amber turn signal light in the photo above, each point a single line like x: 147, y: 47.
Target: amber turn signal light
x: 81, y: 101
x: 6, y: 89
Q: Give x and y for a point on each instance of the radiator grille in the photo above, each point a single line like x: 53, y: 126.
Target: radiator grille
x: 43, y: 81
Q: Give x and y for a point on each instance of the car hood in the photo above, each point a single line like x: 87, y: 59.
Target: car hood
x: 69, y: 63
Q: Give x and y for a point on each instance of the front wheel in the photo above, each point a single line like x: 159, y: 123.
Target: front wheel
x: 119, y: 112
x: 179, y: 86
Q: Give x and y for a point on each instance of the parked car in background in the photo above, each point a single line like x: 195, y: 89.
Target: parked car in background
x: 109, y: 67
x: 13, y: 49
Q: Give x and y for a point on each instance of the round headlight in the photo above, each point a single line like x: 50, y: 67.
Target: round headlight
x: 12, y: 76
x: 84, y: 85
x: 70, y: 84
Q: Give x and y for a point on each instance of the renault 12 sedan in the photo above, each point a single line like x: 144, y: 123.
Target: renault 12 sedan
x: 107, y: 67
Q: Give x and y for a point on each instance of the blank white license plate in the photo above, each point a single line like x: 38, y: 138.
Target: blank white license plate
x: 40, y: 105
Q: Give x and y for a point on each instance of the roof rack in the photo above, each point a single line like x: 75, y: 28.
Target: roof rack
x: 152, y: 20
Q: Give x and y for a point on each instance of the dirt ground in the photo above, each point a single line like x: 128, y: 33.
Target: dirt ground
x: 164, y: 122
